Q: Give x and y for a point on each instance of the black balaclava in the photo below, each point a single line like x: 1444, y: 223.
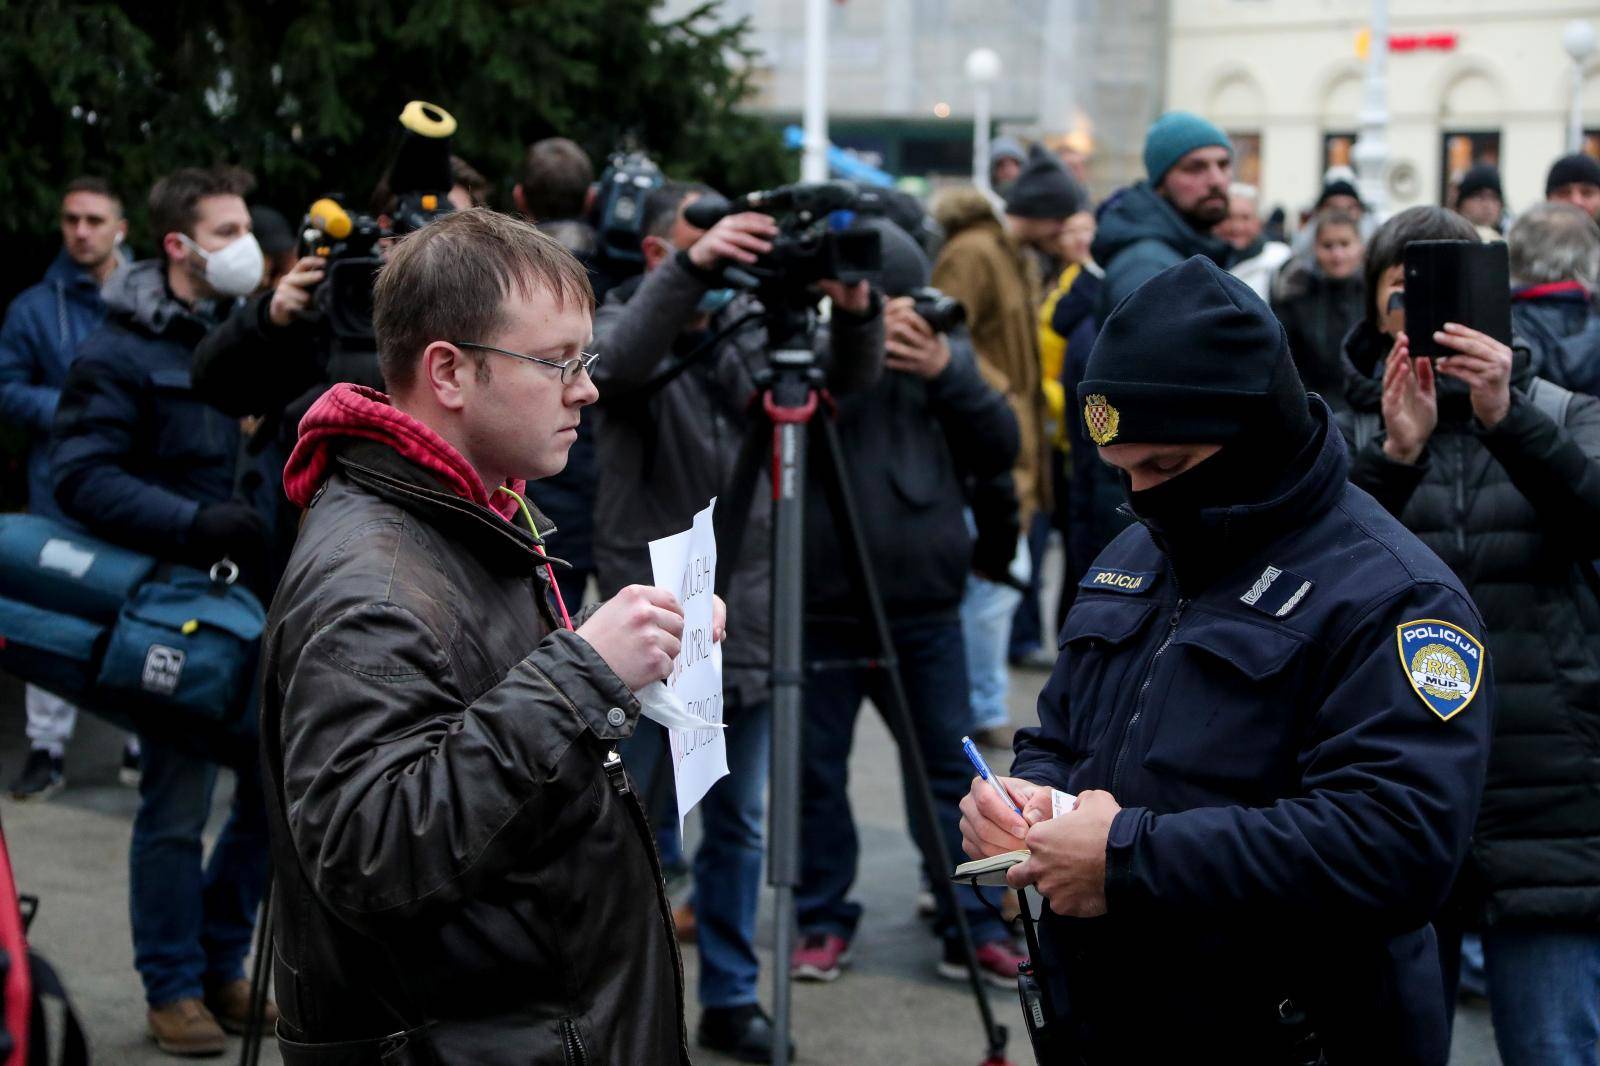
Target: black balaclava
x: 1194, y: 357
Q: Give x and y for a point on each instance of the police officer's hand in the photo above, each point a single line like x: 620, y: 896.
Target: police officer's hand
x: 910, y: 343
x: 988, y: 826
x: 1484, y: 364
x: 1068, y: 860
x: 740, y: 238
x: 292, y: 298
x: 1410, y: 404
x: 638, y: 633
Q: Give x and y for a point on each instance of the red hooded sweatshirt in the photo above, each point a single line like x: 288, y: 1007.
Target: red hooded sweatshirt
x: 351, y: 411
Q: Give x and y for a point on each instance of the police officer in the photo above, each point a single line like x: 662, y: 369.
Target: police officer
x: 1273, y: 708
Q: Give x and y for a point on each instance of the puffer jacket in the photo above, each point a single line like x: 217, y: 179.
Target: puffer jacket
x: 44, y: 326
x: 135, y: 454
x: 459, y: 856
x: 1515, y: 512
x: 669, y: 425
x: 982, y: 266
x: 1139, y: 236
x: 1561, y: 326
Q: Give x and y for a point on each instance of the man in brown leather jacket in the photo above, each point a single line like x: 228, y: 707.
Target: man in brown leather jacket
x: 464, y: 872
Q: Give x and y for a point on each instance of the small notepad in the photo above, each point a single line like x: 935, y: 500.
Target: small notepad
x: 990, y: 871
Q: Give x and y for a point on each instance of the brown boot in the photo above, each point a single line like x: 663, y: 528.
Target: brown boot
x: 231, y: 1004
x: 185, y: 1027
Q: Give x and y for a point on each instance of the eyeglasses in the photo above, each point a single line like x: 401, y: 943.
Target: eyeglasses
x: 569, y: 367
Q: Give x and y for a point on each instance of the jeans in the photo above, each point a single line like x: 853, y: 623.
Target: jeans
x: 1544, y: 994
x: 935, y: 681
x: 192, y: 920
x: 727, y: 864
x: 1027, y: 634
x: 987, y: 608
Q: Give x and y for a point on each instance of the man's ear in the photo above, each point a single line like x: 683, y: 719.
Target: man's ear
x: 443, y: 370
x: 519, y: 199
x: 656, y: 250
x: 172, y: 244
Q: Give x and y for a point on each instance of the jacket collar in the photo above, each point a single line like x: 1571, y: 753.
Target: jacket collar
x: 139, y: 296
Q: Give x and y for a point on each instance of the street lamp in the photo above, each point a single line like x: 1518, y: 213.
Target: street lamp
x: 814, y: 155
x: 983, y: 67
x: 1371, y: 151
x: 1578, y: 39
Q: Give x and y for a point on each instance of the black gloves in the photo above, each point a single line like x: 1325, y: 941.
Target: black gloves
x: 231, y: 528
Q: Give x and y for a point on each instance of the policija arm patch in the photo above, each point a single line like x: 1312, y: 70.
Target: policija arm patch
x: 1127, y: 582
x: 1442, y: 662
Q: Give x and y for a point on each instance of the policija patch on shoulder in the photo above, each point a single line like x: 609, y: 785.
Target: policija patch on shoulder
x: 1127, y: 582
x: 1443, y: 663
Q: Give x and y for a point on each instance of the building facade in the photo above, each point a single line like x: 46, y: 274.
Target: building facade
x: 1088, y: 70
x: 1469, y: 81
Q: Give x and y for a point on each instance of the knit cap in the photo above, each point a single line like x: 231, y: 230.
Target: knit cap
x: 1175, y: 135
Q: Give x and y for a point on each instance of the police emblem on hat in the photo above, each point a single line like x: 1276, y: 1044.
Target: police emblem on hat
x: 1442, y: 662
x: 1101, y: 418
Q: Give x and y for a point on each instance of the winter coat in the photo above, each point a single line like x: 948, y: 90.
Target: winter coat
x: 44, y: 326
x: 454, y: 851
x: 1561, y: 325
x: 1258, y: 265
x: 135, y: 454
x: 1515, y: 511
x: 1293, y: 809
x: 669, y: 425
x: 1140, y: 234
x: 983, y: 267
x: 1317, y: 313
x: 906, y: 444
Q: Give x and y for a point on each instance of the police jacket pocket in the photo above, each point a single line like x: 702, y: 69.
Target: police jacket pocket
x: 1100, y: 644
x: 1226, y: 709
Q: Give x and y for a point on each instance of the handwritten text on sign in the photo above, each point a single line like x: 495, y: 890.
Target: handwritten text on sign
x: 686, y: 563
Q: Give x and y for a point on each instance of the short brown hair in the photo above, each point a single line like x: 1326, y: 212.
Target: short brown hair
x: 556, y: 175
x: 92, y: 184
x: 175, y: 199
x: 464, y: 174
x: 435, y: 284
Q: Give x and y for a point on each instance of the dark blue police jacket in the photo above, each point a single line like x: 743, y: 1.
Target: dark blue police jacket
x: 1299, y: 749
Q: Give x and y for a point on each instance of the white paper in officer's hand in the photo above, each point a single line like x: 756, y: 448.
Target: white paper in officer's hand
x: 686, y: 565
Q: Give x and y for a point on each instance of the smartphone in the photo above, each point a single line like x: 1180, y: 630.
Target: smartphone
x: 1466, y: 282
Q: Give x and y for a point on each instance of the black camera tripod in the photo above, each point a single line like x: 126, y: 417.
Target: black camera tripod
x: 788, y: 396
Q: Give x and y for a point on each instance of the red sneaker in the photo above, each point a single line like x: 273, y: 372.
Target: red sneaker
x: 997, y: 963
x: 819, y: 957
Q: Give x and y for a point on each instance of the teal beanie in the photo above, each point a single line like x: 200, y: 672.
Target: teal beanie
x: 1175, y: 135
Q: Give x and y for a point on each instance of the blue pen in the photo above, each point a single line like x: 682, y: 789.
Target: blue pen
x: 987, y: 774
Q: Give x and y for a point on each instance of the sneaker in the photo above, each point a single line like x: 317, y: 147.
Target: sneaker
x: 230, y: 1003
x: 185, y: 1027
x: 743, y: 1032
x: 819, y: 957
x: 997, y: 963
x: 927, y: 904
x: 41, y: 776
x: 132, y: 765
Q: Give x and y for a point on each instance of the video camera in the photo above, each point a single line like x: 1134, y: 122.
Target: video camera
x: 815, y: 241
x: 619, y: 206
x: 348, y: 241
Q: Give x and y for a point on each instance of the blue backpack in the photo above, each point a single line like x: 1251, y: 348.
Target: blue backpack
x: 164, y: 650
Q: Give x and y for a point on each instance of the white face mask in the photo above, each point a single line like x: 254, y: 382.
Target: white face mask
x: 232, y: 270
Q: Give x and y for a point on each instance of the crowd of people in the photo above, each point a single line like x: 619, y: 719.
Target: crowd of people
x: 445, y: 708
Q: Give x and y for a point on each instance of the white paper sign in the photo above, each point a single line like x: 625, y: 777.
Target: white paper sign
x: 686, y: 565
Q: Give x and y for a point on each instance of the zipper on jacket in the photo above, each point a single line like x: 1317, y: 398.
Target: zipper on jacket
x: 1138, y: 703
x: 1461, y: 498
x: 572, y: 1044
x: 619, y: 784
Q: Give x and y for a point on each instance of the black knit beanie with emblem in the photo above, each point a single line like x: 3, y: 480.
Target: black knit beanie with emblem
x: 1193, y: 356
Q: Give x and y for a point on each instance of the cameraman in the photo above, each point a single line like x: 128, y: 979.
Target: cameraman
x: 906, y: 443
x: 676, y: 382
